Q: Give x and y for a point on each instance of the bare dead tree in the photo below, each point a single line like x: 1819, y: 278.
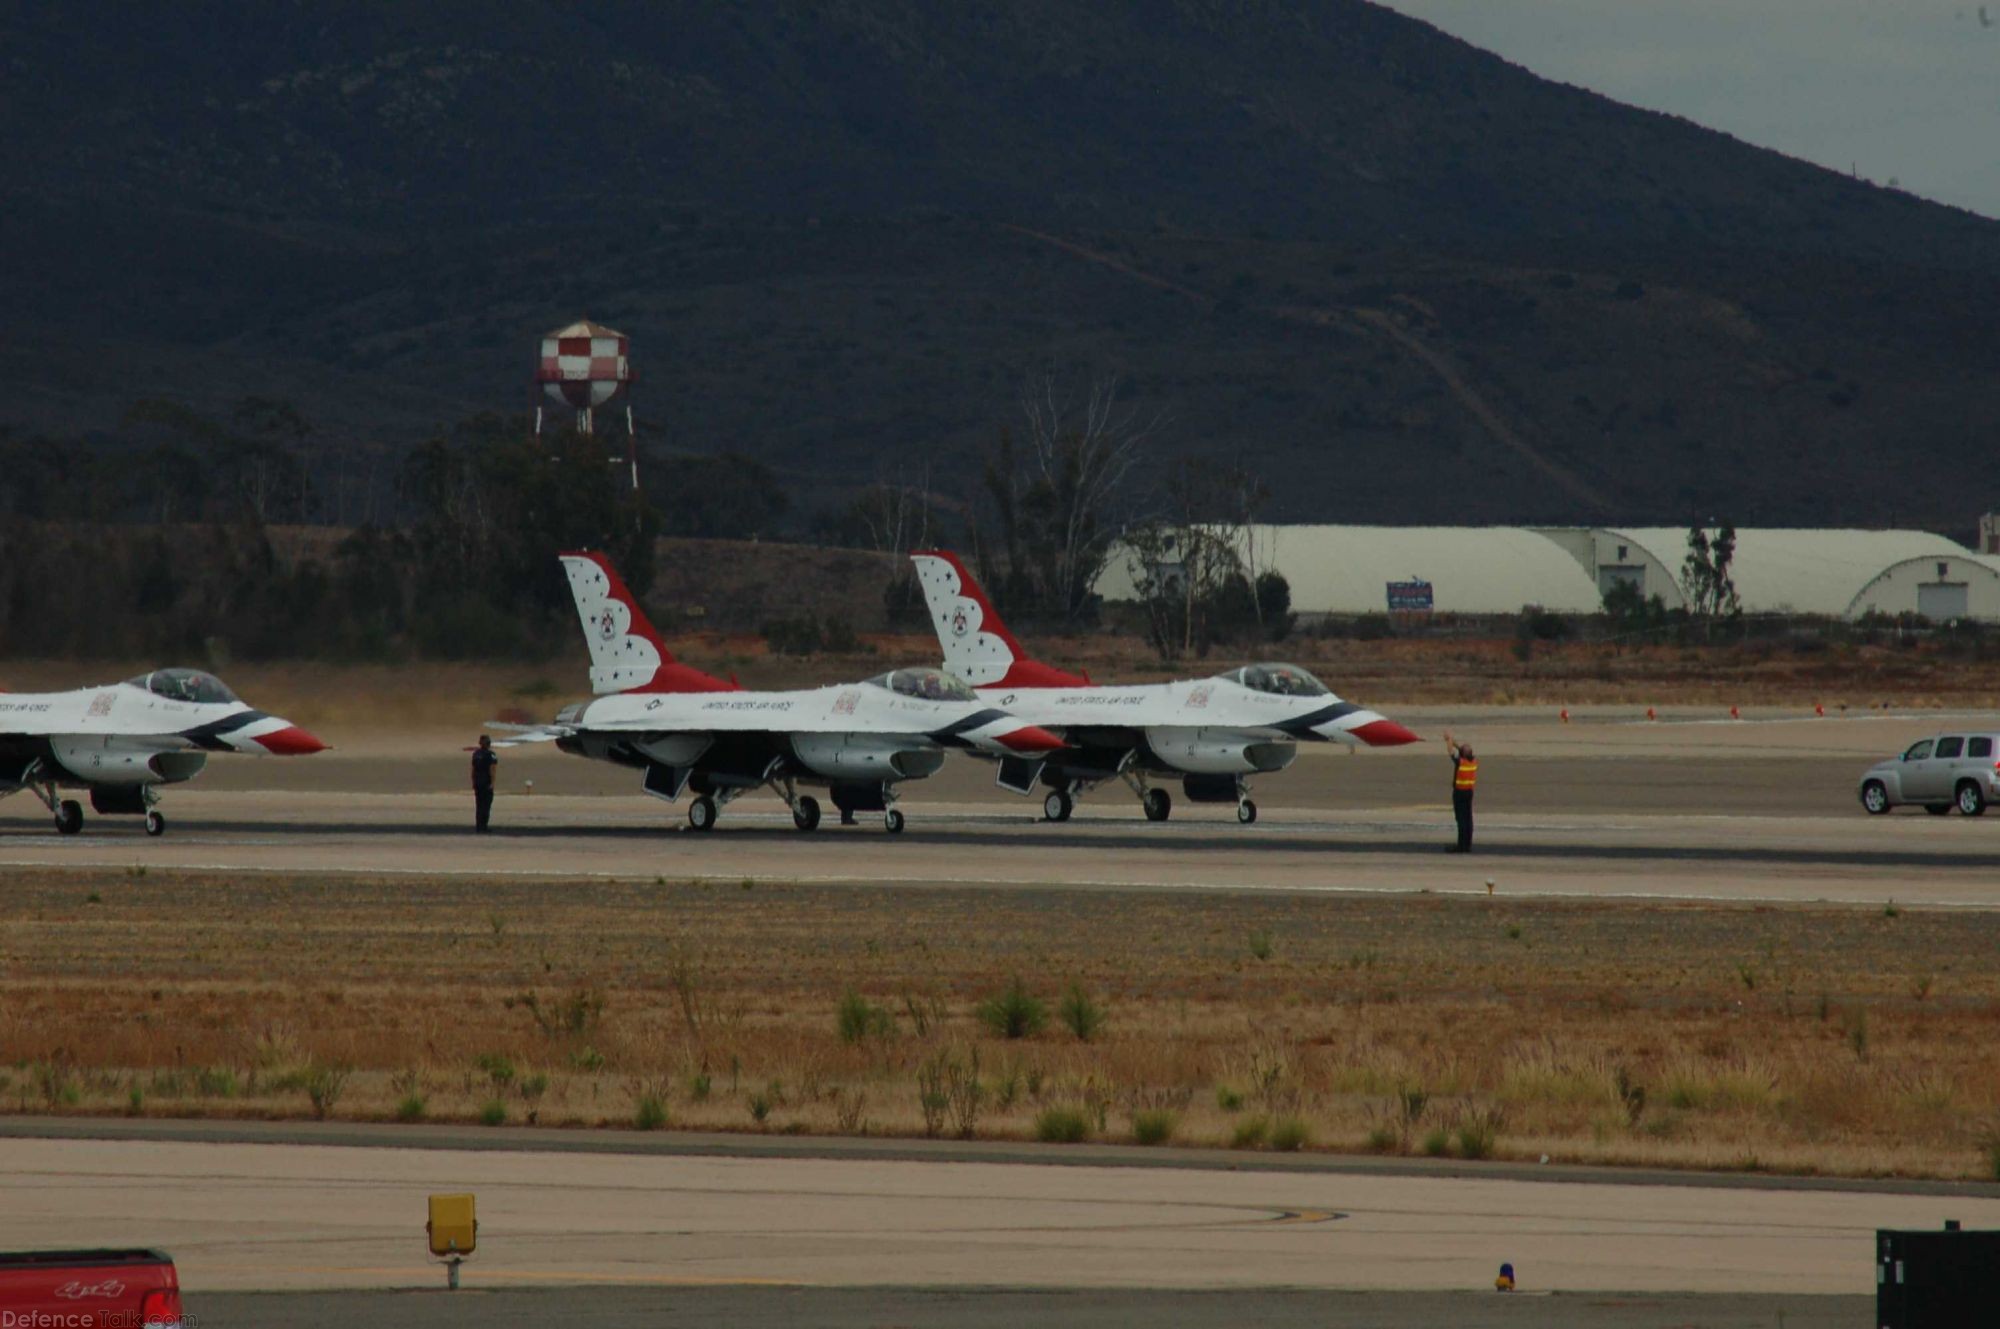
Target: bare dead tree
x: 1057, y: 492
x: 894, y: 514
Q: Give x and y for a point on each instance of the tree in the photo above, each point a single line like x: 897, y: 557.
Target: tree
x: 1705, y: 575
x: 1055, y: 495
x: 1632, y: 613
x: 1189, y: 569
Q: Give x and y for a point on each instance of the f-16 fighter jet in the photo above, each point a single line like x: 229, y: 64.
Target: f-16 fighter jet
x: 1212, y: 733
x: 689, y: 731
x: 123, y: 741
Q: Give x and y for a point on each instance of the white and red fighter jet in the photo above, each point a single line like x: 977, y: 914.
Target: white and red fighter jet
x: 1212, y: 733
x: 686, y: 730
x: 124, y: 740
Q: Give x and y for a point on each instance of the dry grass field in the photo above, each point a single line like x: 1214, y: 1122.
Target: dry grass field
x: 1841, y: 1041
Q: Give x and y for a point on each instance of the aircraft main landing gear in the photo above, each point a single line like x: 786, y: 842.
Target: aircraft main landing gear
x: 701, y: 814
x: 805, y: 813
x: 69, y: 816
x: 1058, y: 805
x: 1158, y: 803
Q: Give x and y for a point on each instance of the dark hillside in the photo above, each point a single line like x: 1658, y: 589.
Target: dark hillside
x: 1407, y: 280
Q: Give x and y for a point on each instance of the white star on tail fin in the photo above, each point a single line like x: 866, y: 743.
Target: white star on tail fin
x: 977, y: 656
x: 626, y: 654
x: 977, y: 645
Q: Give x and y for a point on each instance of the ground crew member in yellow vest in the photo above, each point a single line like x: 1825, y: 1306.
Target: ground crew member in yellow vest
x: 1464, y: 776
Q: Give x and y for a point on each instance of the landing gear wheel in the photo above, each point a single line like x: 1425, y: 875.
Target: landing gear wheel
x: 1158, y: 804
x: 1058, y: 805
x: 1875, y: 798
x: 1246, y: 812
x: 701, y: 814
x: 155, y: 824
x: 805, y: 813
x: 1970, y: 801
x: 1937, y: 809
x: 892, y: 822
x: 69, y: 816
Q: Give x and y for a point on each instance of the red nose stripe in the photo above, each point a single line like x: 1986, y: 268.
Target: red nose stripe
x: 291, y: 741
x: 1384, y: 734
x: 1031, y: 738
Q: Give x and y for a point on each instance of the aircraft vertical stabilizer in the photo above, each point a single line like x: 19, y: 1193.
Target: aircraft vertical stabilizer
x: 977, y: 645
x: 626, y: 654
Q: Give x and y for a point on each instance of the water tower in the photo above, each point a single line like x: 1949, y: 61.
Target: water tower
x: 584, y: 366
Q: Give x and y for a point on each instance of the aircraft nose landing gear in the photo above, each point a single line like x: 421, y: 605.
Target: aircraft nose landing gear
x: 155, y: 824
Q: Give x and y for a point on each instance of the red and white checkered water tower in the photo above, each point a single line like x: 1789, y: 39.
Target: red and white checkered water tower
x: 585, y: 366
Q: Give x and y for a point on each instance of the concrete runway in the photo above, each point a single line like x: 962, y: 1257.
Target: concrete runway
x: 1762, y: 809
x: 250, y: 1216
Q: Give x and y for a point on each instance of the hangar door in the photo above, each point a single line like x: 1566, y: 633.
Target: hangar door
x: 1941, y: 601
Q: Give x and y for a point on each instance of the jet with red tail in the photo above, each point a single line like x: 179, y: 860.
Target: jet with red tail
x: 1212, y: 734
x: 687, y: 731
x: 122, y: 741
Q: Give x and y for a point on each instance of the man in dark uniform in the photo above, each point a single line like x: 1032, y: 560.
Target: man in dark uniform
x: 1464, y: 776
x: 484, y: 759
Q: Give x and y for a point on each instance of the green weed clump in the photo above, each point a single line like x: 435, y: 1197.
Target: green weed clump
x: 323, y: 1086
x: 1478, y: 1134
x: 857, y: 1018
x: 410, y: 1107
x: 1290, y: 1134
x: 1079, y: 1014
x: 651, y: 1114
x: 1014, y: 1013
x: 1250, y: 1133
x: 1154, y: 1125
x: 1062, y: 1125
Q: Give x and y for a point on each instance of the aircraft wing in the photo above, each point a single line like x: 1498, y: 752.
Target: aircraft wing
x: 528, y: 733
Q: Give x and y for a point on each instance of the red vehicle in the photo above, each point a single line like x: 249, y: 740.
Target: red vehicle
x: 89, y: 1290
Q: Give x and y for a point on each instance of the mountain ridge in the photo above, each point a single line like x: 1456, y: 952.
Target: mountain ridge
x: 816, y: 221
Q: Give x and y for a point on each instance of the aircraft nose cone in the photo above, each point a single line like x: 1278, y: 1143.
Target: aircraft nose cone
x: 1384, y: 734
x: 1031, y: 738
x: 291, y: 741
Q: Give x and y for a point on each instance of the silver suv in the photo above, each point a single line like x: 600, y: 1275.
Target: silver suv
x: 1950, y: 770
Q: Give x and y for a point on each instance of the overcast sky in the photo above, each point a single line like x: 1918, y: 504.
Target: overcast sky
x: 1897, y: 89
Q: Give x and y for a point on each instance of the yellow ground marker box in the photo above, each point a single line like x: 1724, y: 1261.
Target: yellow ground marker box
x: 453, y: 1229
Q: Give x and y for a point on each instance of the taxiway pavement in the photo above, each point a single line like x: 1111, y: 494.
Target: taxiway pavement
x: 1691, y: 806
x: 249, y: 1216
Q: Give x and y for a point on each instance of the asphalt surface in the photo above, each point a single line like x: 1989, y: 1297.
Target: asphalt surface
x: 1011, y: 1308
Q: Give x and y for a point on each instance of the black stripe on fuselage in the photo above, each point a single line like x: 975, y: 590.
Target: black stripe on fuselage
x: 209, y: 736
x: 951, y: 734
x: 1303, y: 726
